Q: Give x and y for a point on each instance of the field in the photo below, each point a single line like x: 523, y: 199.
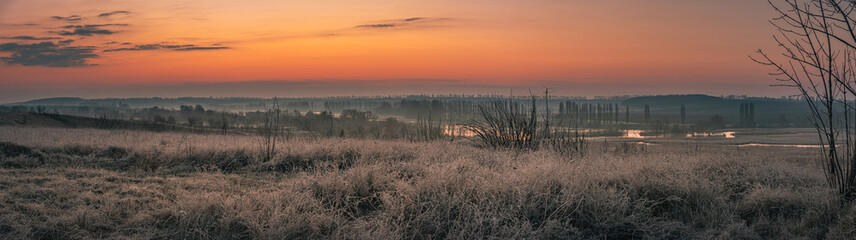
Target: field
x: 84, y: 183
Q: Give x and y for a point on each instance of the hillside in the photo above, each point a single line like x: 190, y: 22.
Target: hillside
x: 702, y: 107
x: 67, y: 121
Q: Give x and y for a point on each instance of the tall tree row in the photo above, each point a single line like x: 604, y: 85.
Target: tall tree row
x: 747, y: 114
x: 590, y: 113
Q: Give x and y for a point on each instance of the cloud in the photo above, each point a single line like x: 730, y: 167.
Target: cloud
x: 148, y: 47
x: 93, y: 25
x: 88, y: 30
x: 107, y: 14
x: 47, y: 54
x: 395, y: 23
x: 72, y: 18
x: 376, y: 26
x: 365, y: 28
x: 145, y: 47
x: 19, y: 24
x: 31, y: 38
x: 200, y: 48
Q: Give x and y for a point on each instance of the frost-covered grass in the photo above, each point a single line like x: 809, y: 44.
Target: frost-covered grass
x: 80, y: 183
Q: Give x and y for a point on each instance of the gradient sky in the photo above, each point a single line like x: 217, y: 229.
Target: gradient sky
x: 584, y: 47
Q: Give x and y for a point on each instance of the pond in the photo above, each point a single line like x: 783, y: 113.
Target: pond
x: 780, y: 145
x: 459, y: 130
x: 636, y: 133
x: 716, y: 134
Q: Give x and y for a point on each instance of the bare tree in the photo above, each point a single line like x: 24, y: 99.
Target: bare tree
x: 270, y: 131
x: 817, y: 42
x: 427, y: 128
x: 547, y: 129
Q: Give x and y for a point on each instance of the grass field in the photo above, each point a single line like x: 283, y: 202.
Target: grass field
x: 84, y: 183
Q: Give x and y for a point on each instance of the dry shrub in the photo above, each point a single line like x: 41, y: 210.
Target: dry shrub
x: 13, y: 150
x: 630, y: 148
x: 506, y: 125
x: 789, y: 213
x: 845, y: 226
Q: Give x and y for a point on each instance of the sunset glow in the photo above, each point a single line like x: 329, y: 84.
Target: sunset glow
x: 698, y: 46
x: 427, y: 119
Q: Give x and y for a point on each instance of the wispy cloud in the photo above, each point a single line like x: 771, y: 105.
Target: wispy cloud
x: 93, y: 25
x: 175, y: 47
x: 107, y: 14
x: 30, y: 38
x: 201, y: 48
x: 47, y: 54
x: 60, y: 51
x: 398, y: 23
x: 88, y: 30
x: 72, y: 18
x: 376, y: 26
x: 19, y: 24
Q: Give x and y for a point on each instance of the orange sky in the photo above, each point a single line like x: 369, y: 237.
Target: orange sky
x: 658, y: 46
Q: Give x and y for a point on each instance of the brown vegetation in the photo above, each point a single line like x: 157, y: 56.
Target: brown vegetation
x: 507, y: 124
x: 77, y: 183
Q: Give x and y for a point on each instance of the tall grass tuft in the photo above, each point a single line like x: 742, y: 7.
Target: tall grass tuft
x: 505, y: 124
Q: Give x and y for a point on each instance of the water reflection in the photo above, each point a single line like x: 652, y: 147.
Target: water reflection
x: 635, y: 134
x: 460, y: 130
x: 638, y: 134
x: 719, y: 134
x: 779, y: 145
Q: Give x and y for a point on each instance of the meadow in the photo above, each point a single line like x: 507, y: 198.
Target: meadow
x: 58, y: 183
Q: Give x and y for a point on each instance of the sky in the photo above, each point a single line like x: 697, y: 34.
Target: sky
x: 297, y: 48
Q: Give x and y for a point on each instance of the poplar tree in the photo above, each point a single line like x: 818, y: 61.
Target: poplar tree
x: 647, y: 113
